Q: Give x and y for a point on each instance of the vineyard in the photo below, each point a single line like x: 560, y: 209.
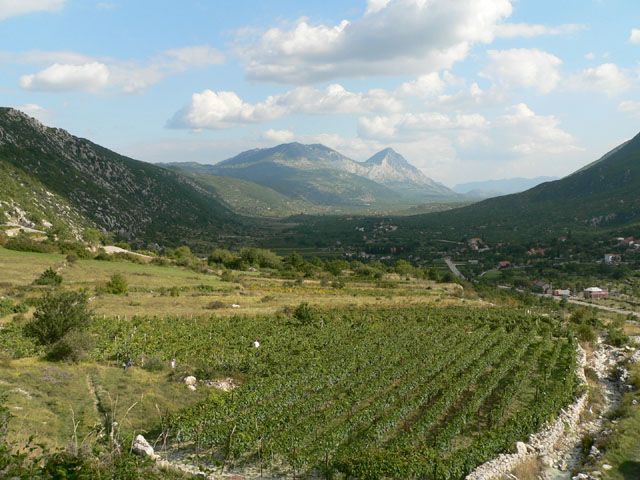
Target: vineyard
x: 416, y: 392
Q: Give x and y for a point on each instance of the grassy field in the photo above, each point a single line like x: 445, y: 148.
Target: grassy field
x: 395, y: 376
x: 169, y: 290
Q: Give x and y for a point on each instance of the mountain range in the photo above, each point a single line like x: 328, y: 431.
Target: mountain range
x: 50, y: 178
x: 321, y: 176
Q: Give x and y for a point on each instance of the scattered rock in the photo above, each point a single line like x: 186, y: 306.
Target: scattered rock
x: 235, y: 305
x: 142, y: 447
x: 606, y: 466
x: 521, y: 448
x: 191, y: 387
x: 580, y: 476
x: 226, y: 384
x: 190, y: 380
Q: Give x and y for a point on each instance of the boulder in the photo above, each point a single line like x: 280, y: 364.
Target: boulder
x: 521, y: 448
x: 191, y: 387
x: 142, y: 447
x: 190, y: 380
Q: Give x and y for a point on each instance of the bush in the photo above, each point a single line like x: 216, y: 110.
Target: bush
x: 154, y: 364
x: 72, y: 258
x: 117, y: 285
x: 305, y: 313
x: 73, y: 347
x: 216, y: 305
x: 49, y: 277
x: 585, y: 333
x: 616, y: 336
x: 228, y: 276
x: 57, y: 314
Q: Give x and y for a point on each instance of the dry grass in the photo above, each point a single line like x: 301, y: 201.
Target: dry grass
x: 530, y: 469
x: 42, y: 396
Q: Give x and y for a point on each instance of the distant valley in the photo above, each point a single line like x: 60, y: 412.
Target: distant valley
x: 495, y: 188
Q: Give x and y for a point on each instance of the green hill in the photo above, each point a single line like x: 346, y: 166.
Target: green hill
x: 136, y: 200
x: 251, y: 199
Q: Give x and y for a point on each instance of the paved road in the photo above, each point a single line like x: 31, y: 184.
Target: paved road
x: 453, y: 268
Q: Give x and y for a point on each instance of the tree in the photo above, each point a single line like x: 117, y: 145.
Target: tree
x: 57, y: 314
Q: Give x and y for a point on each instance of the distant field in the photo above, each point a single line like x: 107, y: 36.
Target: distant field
x: 157, y: 290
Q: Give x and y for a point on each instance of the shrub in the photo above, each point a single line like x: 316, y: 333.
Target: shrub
x: 72, y: 258
x: 616, y: 336
x: 154, y: 364
x: 585, y: 333
x: 305, y: 313
x: 57, y: 314
x: 117, y: 285
x: 228, y: 276
x: 49, y: 277
x: 73, y: 347
x: 216, y: 305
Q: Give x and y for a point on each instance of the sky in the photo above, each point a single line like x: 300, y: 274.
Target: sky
x: 464, y: 89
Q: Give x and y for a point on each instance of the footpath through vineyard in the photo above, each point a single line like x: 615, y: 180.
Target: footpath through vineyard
x: 558, y: 446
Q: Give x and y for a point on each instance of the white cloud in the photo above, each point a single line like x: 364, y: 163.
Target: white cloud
x: 532, y: 134
x: 89, y: 77
x: 415, y: 125
x: 590, y: 56
x: 374, y: 6
x: 634, y: 37
x: 629, y: 106
x: 521, y: 67
x: 279, y: 136
x: 428, y: 85
x: 393, y: 37
x: 189, y: 57
x: 72, y: 71
x: 216, y: 110
x: 527, y: 30
x: 14, y: 8
x: 607, y: 78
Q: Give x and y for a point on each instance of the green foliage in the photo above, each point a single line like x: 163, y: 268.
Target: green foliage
x: 24, y: 243
x: 117, y: 285
x: 154, y: 364
x: 72, y: 347
x: 305, y: 314
x: 375, y: 392
x: 7, y: 307
x: 616, y: 336
x: 57, y: 314
x: 49, y: 277
x: 221, y: 256
x: 336, y: 267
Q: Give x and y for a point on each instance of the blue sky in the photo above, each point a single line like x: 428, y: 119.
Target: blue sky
x: 466, y: 90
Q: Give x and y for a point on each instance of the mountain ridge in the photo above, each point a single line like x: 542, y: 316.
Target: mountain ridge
x: 133, y: 199
x: 318, y: 174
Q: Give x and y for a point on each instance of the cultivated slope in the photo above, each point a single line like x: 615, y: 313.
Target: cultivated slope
x: 134, y: 199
